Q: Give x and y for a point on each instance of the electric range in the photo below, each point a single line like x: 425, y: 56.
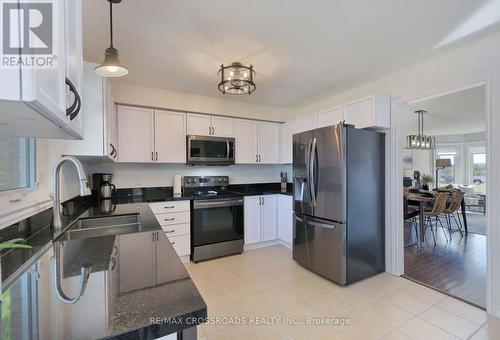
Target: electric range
x: 217, y: 224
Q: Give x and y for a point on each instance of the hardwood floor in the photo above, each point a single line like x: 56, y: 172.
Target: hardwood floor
x: 456, y: 267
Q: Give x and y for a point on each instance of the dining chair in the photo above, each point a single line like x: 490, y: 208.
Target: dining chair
x: 452, y: 210
x: 434, y: 213
x: 410, y: 215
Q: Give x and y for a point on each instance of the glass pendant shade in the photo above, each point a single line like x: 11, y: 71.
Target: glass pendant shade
x: 420, y: 141
x: 237, y: 79
x: 111, y: 66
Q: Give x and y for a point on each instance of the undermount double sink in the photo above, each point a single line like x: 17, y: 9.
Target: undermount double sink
x: 103, y: 226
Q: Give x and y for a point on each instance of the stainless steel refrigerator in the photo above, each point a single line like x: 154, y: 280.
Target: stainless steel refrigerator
x: 339, y: 203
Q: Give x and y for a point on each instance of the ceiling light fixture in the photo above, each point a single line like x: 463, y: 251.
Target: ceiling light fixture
x: 236, y: 79
x: 420, y: 141
x: 111, y: 66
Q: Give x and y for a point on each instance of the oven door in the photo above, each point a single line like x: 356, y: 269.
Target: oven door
x: 217, y: 220
x: 206, y: 150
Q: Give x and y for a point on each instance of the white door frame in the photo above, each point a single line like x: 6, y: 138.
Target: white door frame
x: 394, y: 231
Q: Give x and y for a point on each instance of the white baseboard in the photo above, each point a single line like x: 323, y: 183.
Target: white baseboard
x: 266, y: 244
x: 185, y: 258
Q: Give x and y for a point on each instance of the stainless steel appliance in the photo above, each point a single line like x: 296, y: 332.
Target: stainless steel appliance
x: 216, y: 217
x: 102, y: 184
x: 207, y: 150
x: 339, y: 202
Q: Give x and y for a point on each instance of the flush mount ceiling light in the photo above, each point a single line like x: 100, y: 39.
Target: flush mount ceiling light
x: 420, y: 141
x: 111, y: 66
x: 236, y: 79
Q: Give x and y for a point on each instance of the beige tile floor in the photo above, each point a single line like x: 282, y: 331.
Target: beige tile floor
x: 264, y: 294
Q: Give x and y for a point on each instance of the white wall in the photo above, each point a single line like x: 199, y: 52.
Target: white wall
x: 129, y: 175
x: 470, y: 60
x: 223, y: 105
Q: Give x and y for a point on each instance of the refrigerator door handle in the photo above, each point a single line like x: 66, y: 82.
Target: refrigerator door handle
x: 308, y: 171
x: 312, y: 169
x: 316, y: 224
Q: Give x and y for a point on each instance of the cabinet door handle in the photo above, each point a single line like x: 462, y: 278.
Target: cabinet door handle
x: 256, y: 158
x: 172, y: 242
x: 169, y: 231
x: 152, y: 156
x: 169, y: 219
x: 156, y: 156
x: 74, y: 109
x: 260, y: 159
x: 153, y: 236
x: 263, y: 201
x: 169, y: 207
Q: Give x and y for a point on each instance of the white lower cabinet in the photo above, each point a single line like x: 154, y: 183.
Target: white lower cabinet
x: 260, y: 218
x: 285, y: 219
x: 175, y: 220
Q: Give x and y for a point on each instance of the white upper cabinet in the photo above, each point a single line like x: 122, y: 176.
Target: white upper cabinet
x: 307, y: 123
x: 199, y: 125
x: 98, y: 118
x: 246, y: 141
x: 170, y: 137
x: 206, y: 125
x: 257, y: 142
x: 268, y: 142
x: 286, y: 141
x: 222, y: 126
x: 147, y: 135
x: 135, y: 134
x: 33, y: 101
x: 330, y: 117
x: 74, y: 58
x: 370, y: 112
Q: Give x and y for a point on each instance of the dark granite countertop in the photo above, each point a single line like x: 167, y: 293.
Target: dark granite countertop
x: 136, y: 280
x: 161, y: 194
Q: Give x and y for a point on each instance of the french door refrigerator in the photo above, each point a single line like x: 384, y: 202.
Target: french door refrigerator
x: 339, y: 203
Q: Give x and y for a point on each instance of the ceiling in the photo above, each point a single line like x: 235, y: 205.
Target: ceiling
x: 301, y: 49
x: 453, y: 114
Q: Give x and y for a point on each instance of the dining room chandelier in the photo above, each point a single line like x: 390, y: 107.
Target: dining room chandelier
x: 236, y: 79
x: 420, y: 141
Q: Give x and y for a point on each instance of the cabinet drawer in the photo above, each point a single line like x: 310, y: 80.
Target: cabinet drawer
x: 181, y: 244
x: 169, y: 207
x: 177, y: 229
x: 173, y: 218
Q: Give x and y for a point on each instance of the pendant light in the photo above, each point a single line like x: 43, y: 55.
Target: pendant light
x: 111, y: 66
x: 420, y: 141
x: 236, y: 79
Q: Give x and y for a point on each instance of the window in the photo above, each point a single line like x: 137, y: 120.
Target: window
x: 448, y: 175
x: 17, y: 163
x: 478, y: 164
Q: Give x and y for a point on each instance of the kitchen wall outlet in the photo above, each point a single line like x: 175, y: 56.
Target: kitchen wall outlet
x: 138, y: 181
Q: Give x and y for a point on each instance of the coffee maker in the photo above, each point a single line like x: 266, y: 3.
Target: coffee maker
x: 101, y: 184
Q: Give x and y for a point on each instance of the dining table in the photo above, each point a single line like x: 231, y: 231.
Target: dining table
x: 422, y: 198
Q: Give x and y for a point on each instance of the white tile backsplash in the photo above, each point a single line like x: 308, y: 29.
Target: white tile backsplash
x: 130, y: 175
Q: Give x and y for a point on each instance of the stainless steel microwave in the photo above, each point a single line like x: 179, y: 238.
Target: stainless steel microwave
x: 206, y: 150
